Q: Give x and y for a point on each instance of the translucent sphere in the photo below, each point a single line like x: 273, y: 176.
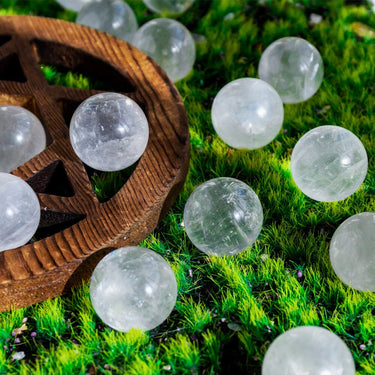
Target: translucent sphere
x: 247, y: 113
x: 352, y: 251
x: 293, y: 67
x: 169, y: 43
x: 329, y: 163
x: 133, y: 287
x: 168, y: 6
x: 19, y: 212
x: 22, y: 136
x: 109, y: 131
x: 112, y: 16
x: 223, y: 216
x: 308, y: 350
x: 75, y: 5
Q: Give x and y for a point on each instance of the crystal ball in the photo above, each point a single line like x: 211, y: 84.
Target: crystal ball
x: 75, y: 5
x: 112, y: 16
x: 169, y: 43
x: 293, y: 67
x: 168, y: 6
x: 247, y: 113
x: 308, y: 350
x: 19, y: 212
x: 352, y: 251
x: 223, y: 216
x: 329, y: 163
x: 133, y: 287
x: 22, y: 136
x: 109, y: 131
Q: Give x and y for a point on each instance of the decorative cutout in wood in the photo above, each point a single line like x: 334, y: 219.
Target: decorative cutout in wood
x: 78, y: 229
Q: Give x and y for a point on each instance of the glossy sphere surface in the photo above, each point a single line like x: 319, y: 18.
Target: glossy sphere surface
x: 223, y: 216
x: 352, y: 251
x: 247, y: 113
x: 329, y: 163
x: 308, y: 350
x: 293, y: 67
x: 75, y: 5
x: 109, y: 131
x: 22, y: 136
x: 133, y: 287
x: 19, y: 212
x: 112, y: 16
x: 169, y: 43
x: 168, y: 6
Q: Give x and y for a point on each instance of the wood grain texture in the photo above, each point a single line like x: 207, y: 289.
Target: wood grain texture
x: 48, y: 267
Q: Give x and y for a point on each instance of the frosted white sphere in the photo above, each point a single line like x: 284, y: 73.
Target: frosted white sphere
x: 19, y: 212
x: 293, y: 67
x: 75, y: 5
x: 329, y: 163
x: 22, y: 136
x: 223, y: 216
x: 133, y: 287
x: 168, y: 6
x: 247, y: 113
x: 352, y: 251
x: 109, y: 131
x: 112, y: 16
x: 308, y: 350
x: 169, y: 43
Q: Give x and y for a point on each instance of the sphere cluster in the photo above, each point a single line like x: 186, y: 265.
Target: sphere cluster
x: 133, y: 287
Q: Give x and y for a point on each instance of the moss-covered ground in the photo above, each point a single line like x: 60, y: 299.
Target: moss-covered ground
x: 229, y: 310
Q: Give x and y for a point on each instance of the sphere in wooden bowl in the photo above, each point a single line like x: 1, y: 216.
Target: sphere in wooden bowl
x: 19, y: 212
x: 22, y: 136
x: 109, y: 131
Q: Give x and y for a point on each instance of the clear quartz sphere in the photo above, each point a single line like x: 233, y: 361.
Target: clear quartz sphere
x: 75, y: 5
x: 329, y: 163
x: 109, y: 131
x: 112, y: 16
x: 133, y: 287
x: 19, y: 212
x: 247, y: 113
x: 352, y: 251
x: 169, y: 43
x: 22, y: 136
x: 293, y: 67
x: 223, y: 216
x: 308, y: 350
x: 168, y: 6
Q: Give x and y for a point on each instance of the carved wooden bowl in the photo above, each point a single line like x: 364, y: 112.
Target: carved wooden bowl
x: 53, y: 265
